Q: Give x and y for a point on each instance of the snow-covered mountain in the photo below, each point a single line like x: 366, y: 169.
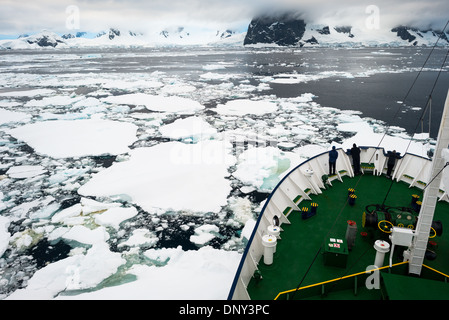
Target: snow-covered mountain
x: 291, y: 30
x: 279, y: 30
x: 113, y: 37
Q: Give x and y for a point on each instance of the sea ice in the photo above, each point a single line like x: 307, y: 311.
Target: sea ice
x: 243, y: 106
x: 169, y: 175
x: 4, y: 234
x: 112, y: 217
x: 140, y: 237
x: 204, y: 234
x: 53, y: 101
x: 21, y: 172
x: 263, y: 167
x: 7, y: 116
x: 82, y: 234
x: 27, y: 93
x: 192, y: 127
x: 157, y: 102
x: 73, y: 273
x: 204, y: 274
x: 77, y: 138
x: 365, y: 136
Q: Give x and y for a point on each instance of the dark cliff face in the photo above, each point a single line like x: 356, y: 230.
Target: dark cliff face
x: 45, y: 41
x: 403, y: 33
x: 283, y: 30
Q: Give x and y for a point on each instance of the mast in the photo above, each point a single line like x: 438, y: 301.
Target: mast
x: 425, y: 218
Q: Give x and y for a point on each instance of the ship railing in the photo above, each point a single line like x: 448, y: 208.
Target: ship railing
x: 357, y: 282
x: 309, y: 178
x: 354, y: 281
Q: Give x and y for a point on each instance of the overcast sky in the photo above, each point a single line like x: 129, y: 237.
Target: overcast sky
x: 64, y: 16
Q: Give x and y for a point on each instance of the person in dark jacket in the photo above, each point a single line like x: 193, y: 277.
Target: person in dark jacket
x: 392, y: 156
x: 333, y: 155
x: 355, y: 152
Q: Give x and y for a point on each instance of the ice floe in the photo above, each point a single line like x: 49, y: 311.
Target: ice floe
x: 62, y: 139
x: 204, y: 234
x: 194, y: 128
x: 4, y: 234
x: 21, y: 172
x: 263, y: 168
x: 157, y: 103
x: 72, y: 273
x: 243, y: 106
x: 205, y: 274
x: 169, y: 175
x: 7, y: 116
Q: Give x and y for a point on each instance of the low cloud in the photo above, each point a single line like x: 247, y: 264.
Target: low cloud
x: 139, y: 15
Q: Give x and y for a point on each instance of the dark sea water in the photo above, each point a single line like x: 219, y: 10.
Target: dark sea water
x: 381, y: 77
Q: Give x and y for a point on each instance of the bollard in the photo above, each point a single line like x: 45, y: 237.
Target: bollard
x: 352, y: 198
x: 382, y: 247
x: 351, y: 233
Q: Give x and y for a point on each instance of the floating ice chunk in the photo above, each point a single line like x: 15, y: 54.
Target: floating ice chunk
x: 127, y: 85
x: 177, y: 86
x: 72, y: 273
x: 91, y: 206
x: 354, y: 126
x: 187, y: 274
x: 45, y: 212
x: 22, y: 172
x: 98, y: 264
x: 366, y: 137
x: 66, y: 213
x: 244, y: 106
x: 88, y: 102
x: 163, y: 255
x: 170, y: 175
x: 85, y: 235
x: 65, y: 175
x: 242, y: 209
x: 286, y: 145
x: 7, y: 116
x: 192, y: 127
x: 157, y: 103
x: 62, y: 139
x: 114, y: 216
x: 22, y: 210
x: 310, y: 150
x: 27, y: 93
x: 216, y: 76
x: 47, y: 282
x: 25, y: 239
x: 53, y: 101
x: 263, y: 167
x: 4, y: 234
x: 214, y: 67
x: 421, y: 136
x: 305, y: 97
x: 140, y: 237
x: 295, y: 78
x: 204, y: 234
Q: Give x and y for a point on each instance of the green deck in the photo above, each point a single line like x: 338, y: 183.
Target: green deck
x: 299, y: 248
